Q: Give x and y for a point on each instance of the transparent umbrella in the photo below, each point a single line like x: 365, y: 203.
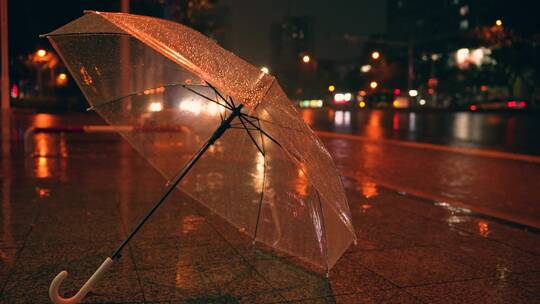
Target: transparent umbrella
x: 188, y: 105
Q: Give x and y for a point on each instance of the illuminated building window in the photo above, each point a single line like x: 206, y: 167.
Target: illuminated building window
x: 464, y: 24
x: 464, y: 10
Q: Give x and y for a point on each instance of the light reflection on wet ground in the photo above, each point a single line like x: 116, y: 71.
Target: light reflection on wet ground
x: 508, y: 131
x: 59, y: 211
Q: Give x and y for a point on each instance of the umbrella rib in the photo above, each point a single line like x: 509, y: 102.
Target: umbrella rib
x: 220, y: 113
x: 262, y: 190
x: 324, y: 229
x: 242, y: 128
x: 119, y: 99
x: 219, y: 94
x: 251, y: 136
x: 232, y: 101
x: 262, y: 142
x: 206, y: 97
x: 261, y: 130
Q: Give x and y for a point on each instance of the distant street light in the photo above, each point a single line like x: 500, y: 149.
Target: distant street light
x: 498, y: 22
x: 365, y: 68
x: 61, y: 79
x: 408, y: 44
x: 41, y: 53
x: 375, y: 55
x: 306, y: 59
x: 413, y: 93
x: 373, y: 85
x: 265, y: 70
x: 331, y: 88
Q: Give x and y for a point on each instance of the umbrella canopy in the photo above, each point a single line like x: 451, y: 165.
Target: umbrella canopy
x: 270, y: 176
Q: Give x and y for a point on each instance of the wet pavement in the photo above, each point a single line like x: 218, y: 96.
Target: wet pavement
x: 512, y: 131
x: 427, y: 232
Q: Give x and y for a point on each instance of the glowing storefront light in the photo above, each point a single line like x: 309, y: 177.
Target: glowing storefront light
x: 155, y: 107
x: 342, y: 118
x: 465, y: 57
x: 191, y: 106
x: 461, y: 56
x: 342, y: 98
x: 413, y: 93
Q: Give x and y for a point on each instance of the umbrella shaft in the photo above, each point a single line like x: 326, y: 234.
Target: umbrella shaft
x: 225, y: 124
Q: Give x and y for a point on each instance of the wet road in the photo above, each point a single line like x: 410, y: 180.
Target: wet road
x: 399, y: 150
x: 505, y: 131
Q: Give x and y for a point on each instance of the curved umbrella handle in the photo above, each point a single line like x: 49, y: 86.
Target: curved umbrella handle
x: 55, y: 284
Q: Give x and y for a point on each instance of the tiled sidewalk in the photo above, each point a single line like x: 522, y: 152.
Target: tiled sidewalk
x: 71, y: 212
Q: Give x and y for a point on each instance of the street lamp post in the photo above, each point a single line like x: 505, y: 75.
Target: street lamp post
x: 4, y: 50
x: 410, y: 68
x: 4, y: 86
x: 376, y: 55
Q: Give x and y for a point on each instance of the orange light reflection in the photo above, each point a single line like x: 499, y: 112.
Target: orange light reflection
x: 43, y: 120
x: 373, y: 128
x: 369, y: 189
x: 483, y: 228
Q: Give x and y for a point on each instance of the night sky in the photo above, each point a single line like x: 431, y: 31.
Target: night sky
x: 332, y: 19
x: 249, y: 23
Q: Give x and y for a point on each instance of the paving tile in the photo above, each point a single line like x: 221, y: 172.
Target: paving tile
x: 378, y: 238
x: 172, y: 252
x: 240, y: 280
x: 527, y: 281
x: 349, y: 276
x: 494, y: 259
x: 285, y: 275
x: 14, y: 235
x: 296, y: 283
x: 46, y: 261
x: 415, y: 266
x: 7, y: 262
x: 117, y: 287
x: 75, y: 231
x: 395, y: 295
x: 260, y: 298
x: 387, y: 296
x: 515, y: 237
x: 250, y: 251
x: 473, y: 291
x: 182, y: 283
x: 381, y: 296
x: 183, y: 227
